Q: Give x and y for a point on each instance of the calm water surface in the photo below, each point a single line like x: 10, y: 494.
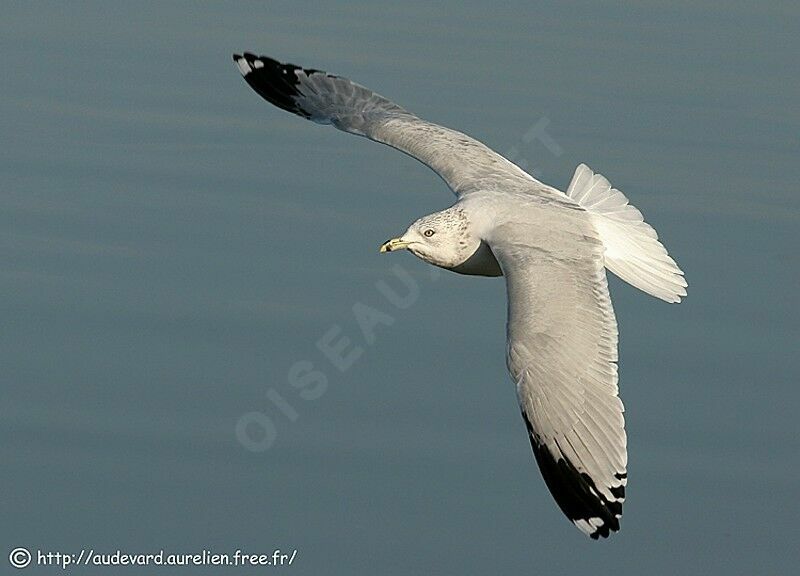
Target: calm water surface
x: 172, y: 246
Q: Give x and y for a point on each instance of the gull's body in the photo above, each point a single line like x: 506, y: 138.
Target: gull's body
x: 552, y: 247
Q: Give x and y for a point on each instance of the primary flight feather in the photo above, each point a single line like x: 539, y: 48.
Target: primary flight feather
x: 553, y: 249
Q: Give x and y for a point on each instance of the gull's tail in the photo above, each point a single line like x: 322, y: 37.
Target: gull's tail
x: 632, y: 249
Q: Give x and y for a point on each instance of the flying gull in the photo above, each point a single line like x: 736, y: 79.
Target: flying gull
x: 553, y: 249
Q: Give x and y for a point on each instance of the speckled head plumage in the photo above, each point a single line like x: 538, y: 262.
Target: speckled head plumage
x: 553, y: 248
x: 442, y: 238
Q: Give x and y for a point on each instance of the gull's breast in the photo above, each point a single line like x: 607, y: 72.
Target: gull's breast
x: 481, y: 263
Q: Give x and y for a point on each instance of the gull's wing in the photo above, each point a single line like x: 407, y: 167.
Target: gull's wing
x: 463, y: 163
x: 562, y: 353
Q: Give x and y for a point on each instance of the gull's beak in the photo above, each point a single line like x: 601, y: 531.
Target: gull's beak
x: 393, y: 244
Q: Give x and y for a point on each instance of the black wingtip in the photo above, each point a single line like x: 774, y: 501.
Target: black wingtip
x: 575, y: 492
x: 275, y: 82
x: 250, y: 57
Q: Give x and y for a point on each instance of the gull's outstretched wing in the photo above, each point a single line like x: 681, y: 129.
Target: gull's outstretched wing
x: 464, y: 163
x: 562, y: 353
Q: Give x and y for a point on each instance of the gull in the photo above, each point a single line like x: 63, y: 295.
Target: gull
x: 552, y: 248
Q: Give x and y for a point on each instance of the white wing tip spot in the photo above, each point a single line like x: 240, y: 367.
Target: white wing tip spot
x: 244, y: 67
x: 588, y: 526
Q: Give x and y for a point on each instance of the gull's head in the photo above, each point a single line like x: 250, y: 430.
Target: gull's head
x: 442, y: 239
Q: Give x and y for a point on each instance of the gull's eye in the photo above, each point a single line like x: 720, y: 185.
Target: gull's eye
x: 428, y: 233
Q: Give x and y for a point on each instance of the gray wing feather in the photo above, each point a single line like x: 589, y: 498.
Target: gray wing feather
x: 464, y: 163
x: 562, y: 335
x: 562, y: 353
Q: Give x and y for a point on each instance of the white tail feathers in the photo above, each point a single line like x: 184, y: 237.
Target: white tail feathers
x: 632, y: 249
